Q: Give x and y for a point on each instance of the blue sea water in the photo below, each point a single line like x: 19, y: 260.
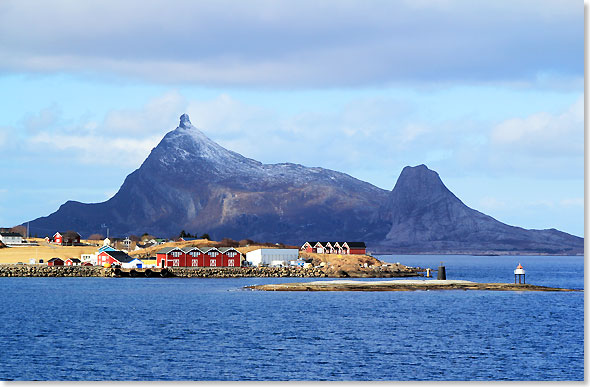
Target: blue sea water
x: 212, y: 329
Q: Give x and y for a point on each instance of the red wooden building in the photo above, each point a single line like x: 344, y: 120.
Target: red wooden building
x: 55, y: 262
x: 66, y: 239
x: 199, y: 257
x: 309, y: 247
x: 113, y: 257
x: 334, y: 247
x: 57, y: 238
x: 355, y: 247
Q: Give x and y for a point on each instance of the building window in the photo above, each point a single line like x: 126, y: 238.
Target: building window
x: 230, y: 262
x: 195, y: 262
x: 176, y: 262
x: 213, y: 262
x: 213, y: 254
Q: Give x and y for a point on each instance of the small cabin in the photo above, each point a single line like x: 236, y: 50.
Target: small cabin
x: 55, y: 262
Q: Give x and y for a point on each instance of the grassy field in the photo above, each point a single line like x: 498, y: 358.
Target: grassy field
x: 44, y: 251
x: 151, y: 251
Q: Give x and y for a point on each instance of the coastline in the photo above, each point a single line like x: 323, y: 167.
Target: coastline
x: 205, y: 272
x: 403, y: 285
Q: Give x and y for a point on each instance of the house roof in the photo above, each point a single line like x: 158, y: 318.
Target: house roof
x: 146, y: 244
x: 120, y: 256
x: 207, y: 249
x: 223, y: 250
x: 55, y: 259
x: 188, y: 249
x: 64, y: 233
x: 10, y: 234
x: 356, y: 244
x: 73, y: 259
x: 166, y: 250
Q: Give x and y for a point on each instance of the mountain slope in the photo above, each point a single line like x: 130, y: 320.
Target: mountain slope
x: 426, y: 217
x: 190, y: 182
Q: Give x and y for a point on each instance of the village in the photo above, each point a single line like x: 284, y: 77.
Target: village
x: 180, y: 252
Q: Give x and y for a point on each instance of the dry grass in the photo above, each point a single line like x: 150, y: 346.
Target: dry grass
x: 44, y: 251
x: 47, y: 251
x: 151, y: 251
x: 343, y: 261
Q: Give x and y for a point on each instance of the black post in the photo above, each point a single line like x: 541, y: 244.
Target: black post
x: 442, y: 274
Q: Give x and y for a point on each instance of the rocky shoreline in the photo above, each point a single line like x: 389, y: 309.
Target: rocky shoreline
x: 403, y: 285
x: 206, y: 272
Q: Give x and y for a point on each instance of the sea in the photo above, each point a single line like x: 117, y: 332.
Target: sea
x: 196, y: 329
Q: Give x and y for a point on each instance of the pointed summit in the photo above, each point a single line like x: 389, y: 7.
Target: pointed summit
x: 190, y: 182
x: 185, y: 122
x: 417, y: 188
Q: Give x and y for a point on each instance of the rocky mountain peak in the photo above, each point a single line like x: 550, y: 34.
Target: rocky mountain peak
x: 190, y: 182
x: 417, y: 187
x: 185, y: 121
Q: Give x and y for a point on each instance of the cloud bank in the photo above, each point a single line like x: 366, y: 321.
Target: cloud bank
x: 297, y: 43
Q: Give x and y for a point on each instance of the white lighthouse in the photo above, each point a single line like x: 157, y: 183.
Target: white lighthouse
x: 519, y: 272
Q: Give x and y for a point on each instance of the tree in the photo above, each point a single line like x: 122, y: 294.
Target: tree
x: 228, y: 242
x: 134, y: 238
x: 96, y: 237
x: 246, y: 242
x: 206, y: 236
x: 70, y: 237
x: 22, y: 230
x: 183, y: 234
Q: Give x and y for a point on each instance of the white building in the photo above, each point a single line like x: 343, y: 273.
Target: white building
x: 272, y: 257
x: 11, y: 238
x: 133, y: 264
x: 92, y: 258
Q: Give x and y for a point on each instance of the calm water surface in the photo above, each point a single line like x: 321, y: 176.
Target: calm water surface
x: 211, y: 329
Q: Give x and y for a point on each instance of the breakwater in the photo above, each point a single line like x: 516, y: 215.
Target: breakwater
x: 54, y: 271
x: 197, y: 272
x: 232, y: 272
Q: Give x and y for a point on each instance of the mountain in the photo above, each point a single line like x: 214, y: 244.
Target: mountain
x: 189, y: 182
x: 426, y: 217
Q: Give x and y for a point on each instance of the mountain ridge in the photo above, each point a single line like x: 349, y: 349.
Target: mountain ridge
x: 190, y: 182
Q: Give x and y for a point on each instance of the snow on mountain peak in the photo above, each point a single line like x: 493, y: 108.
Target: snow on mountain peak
x: 185, y: 122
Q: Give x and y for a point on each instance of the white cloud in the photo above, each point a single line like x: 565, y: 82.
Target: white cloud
x: 42, y: 120
x: 123, y: 138
x: 158, y: 114
x: 304, y: 43
x: 543, y: 132
x: 95, y: 150
x: 572, y: 202
x: 226, y: 116
x: 488, y: 203
x: 541, y: 143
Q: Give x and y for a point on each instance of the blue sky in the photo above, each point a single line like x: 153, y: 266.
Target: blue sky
x: 488, y: 95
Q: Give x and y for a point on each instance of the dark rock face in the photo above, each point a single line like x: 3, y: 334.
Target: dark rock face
x: 190, y: 182
x: 426, y: 217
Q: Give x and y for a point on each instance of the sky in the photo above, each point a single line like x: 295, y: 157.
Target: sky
x: 488, y: 94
